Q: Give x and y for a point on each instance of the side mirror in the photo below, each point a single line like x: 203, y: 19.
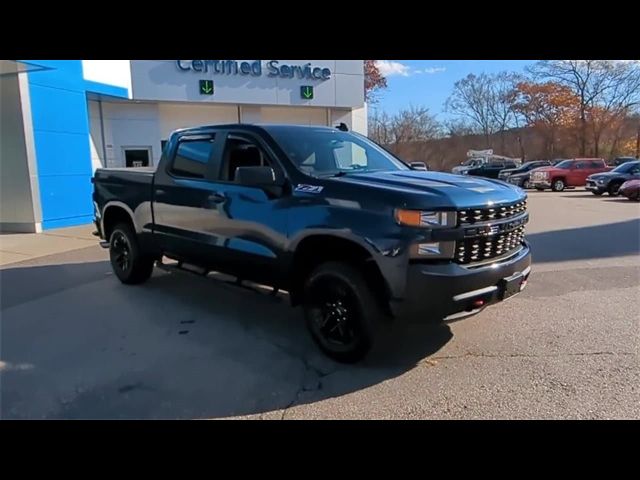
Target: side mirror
x: 255, y: 176
x: 418, y: 166
x: 261, y: 177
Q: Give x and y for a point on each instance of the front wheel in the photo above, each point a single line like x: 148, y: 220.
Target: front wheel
x: 614, y: 189
x: 128, y: 261
x: 525, y: 184
x: 596, y: 193
x: 341, y: 312
x: 558, y: 185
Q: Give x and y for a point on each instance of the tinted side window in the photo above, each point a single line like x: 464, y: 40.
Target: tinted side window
x: 596, y: 165
x: 192, y: 157
x: 580, y: 165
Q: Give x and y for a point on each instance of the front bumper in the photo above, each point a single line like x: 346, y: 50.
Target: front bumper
x: 542, y: 183
x: 594, y: 187
x: 438, y: 291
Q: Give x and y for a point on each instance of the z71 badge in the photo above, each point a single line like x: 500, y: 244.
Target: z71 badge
x: 308, y: 188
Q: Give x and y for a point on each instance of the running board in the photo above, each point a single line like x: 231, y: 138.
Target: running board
x: 185, y: 267
x: 203, y: 272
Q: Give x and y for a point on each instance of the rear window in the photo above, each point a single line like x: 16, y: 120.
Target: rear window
x: 192, y: 157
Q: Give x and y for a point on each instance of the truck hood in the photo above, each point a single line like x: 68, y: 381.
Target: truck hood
x: 596, y: 176
x: 444, y: 189
x: 547, y: 169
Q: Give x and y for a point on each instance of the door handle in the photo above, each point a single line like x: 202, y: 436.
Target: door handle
x: 216, y: 198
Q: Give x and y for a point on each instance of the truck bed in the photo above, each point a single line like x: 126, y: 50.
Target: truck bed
x: 131, y: 186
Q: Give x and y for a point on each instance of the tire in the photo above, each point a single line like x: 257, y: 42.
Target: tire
x: 557, y: 185
x: 525, y: 184
x: 613, y: 189
x: 596, y: 193
x: 129, y: 263
x: 341, y: 312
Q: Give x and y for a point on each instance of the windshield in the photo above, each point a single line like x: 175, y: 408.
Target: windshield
x: 564, y: 164
x: 323, y: 152
x: 626, y: 167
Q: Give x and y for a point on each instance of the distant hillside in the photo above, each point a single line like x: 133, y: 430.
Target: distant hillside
x: 444, y: 153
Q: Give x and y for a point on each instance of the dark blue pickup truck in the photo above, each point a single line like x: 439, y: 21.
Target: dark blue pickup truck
x: 352, y: 233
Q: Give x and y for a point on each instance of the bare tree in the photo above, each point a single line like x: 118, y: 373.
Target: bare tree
x: 503, y: 98
x: 605, y: 88
x: 379, y: 127
x: 471, y: 99
x: 414, y: 124
x: 458, y: 128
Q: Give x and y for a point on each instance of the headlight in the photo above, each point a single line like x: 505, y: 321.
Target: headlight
x: 421, y: 218
x: 600, y: 181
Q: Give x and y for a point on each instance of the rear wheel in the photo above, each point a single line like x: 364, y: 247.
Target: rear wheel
x: 596, y: 193
x: 341, y: 312
x: 557, y: 185
x: 129, y: 263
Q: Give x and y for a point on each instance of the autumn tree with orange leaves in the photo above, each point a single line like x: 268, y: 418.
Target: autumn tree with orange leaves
x: 547, y: 107
x: 374, y: 81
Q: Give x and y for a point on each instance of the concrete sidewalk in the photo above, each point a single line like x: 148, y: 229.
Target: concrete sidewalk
x: 17, y: 247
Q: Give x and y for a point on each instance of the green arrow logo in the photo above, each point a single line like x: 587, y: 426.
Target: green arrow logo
x: 307, y: 92
x: 206, y: 87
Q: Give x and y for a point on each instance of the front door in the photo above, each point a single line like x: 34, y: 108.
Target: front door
x: 253, y: 221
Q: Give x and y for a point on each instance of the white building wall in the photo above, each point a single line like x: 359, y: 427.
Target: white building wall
x: 145, y: 125
x: 173, y: 116
x: 130, y: 125
x: 359, y: 120
x: 297, y: 116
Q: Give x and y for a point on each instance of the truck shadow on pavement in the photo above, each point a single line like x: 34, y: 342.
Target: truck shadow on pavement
x: 178, y: 346
x: 598, y: 241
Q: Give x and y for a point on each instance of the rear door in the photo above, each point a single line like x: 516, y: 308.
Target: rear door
x: 186, y: 200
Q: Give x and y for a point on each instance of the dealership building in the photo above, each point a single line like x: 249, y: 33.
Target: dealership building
x: 62, y: 119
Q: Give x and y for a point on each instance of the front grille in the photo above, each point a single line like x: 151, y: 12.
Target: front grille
x: 487, y: 214
x: 476, y: 249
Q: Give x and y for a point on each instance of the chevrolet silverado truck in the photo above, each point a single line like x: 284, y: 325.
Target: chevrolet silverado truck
x: 351, y: 232
x: 567, y: 174
x: 610, y: 182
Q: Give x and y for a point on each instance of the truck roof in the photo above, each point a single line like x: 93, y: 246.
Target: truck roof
x: 252, y: 126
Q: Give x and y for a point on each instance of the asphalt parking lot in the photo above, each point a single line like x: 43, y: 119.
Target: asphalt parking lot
x: 75, y: 343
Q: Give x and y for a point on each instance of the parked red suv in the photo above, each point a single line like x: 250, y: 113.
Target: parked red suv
x: 567, y: 174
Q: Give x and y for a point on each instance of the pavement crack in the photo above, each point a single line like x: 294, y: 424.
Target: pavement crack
x: 318, y: 373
